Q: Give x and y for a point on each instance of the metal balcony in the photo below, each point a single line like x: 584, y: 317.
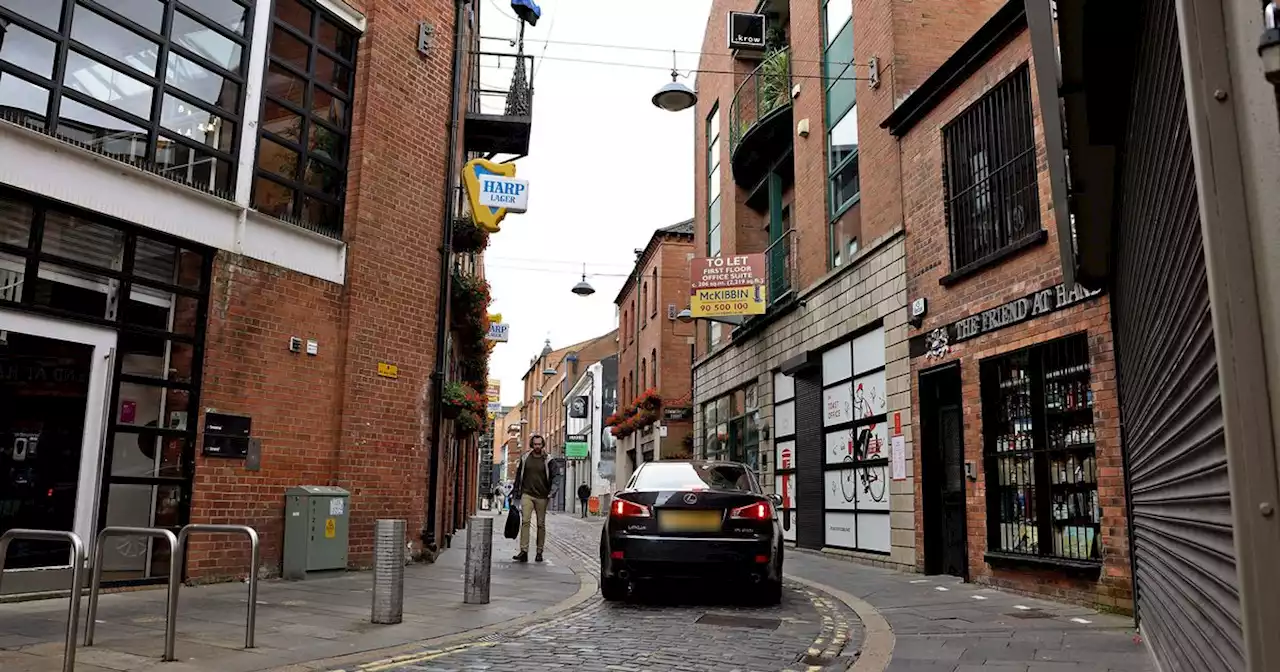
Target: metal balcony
x: 500, y: 121
x: 760, y: 120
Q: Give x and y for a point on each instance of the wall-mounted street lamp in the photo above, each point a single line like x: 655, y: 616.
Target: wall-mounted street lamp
x: 548, y: 372
x: 675, y: 97
x: 537, y: 394
x: 686, y: 316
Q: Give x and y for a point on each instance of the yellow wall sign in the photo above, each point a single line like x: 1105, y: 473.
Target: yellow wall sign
x: 729, y: 301
x: 330, y: 528
x: 486, y: 217
x: 388, y: 370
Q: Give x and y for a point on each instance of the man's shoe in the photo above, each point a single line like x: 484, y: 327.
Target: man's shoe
x: 538, y: 557
x: 522, y: 556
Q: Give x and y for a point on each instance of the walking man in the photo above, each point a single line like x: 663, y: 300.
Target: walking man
x: 584, y: 495
x: 533, y: 488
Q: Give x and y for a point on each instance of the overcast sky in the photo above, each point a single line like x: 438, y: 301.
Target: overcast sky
x: 606, y: 167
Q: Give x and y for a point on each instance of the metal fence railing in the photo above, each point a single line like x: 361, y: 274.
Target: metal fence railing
x: 764, y: 91
x: 77, y: 567
x: 782, y: 266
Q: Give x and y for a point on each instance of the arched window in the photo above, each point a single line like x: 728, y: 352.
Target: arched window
x: 643, y: 378
x: 653, y: 367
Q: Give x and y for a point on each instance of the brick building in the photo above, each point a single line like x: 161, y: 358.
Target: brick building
x: 1017, y: 419
x: 219, y: 240
x: 655, y: 349
x: 546, y: 385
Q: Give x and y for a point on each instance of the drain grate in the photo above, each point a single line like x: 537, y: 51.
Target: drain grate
x: 1034, y: 613
x: 730, y: 621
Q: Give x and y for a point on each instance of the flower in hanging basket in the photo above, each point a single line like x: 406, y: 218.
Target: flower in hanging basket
x: 467, y: 237
x: 476, y: 402
x: 649, y: 400
x: 454, y: 398
x: 468, y: 423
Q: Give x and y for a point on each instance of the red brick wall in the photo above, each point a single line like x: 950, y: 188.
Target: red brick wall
x: 294, y: 401
x: 331, y: 419
x: 928, y: 260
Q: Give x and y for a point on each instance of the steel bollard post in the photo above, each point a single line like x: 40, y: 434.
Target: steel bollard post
x: 388, y: 571
x: 479, y: 560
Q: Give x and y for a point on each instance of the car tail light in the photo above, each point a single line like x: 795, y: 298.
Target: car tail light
x: 757, y: 511
x: 625, y: 509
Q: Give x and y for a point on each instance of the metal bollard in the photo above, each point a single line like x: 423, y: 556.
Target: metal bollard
x: 479, y: 560
x: 388, y: 572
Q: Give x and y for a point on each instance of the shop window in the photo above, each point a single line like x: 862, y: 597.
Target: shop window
x: 1041, y: 463
x: 990, y: 174
x: 133, y: 86
x: 856, y: 454
x: 731, y: 425
x: 306, y: 121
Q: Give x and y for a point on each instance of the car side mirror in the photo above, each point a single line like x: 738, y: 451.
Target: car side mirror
x: 776, y: 499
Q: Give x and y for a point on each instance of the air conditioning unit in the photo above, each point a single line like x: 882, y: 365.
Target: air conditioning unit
x: 671, y: 311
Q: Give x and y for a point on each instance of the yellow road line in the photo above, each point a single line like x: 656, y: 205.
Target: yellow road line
x: 389, y: 663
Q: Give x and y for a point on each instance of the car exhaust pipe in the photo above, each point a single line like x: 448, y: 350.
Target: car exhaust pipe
x: 624, y: 574
x: 755, y: 578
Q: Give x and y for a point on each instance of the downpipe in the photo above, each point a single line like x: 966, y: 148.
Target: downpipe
x: 429, y: 532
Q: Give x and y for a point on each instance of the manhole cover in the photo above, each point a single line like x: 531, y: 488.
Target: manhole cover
x: 728, y: 621
x: 1030, y: 614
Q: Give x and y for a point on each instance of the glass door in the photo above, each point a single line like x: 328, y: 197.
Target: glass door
x: 54, y: 378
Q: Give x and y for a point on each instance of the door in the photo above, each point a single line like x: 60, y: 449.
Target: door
x: 942, y: 439
x: 54, y: 379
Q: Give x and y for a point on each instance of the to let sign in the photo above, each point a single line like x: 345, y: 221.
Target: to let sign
x: 500, y: 191
x: 728, y: 286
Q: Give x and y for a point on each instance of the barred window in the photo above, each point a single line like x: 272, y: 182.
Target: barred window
x: 989, y: 171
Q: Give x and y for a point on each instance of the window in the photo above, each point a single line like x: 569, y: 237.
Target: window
x: 653, y: 368
x: 713, y: 182
x: 655, y: 292
x: 1041, y: 465
x: 626, y: 324
x: 306, y: 118
x: 644, y: 296
x: 145, y: 82
x: 842, y: 114
x: 990, y: 174
x: 631, y: 335
x: 644, y: 376
x: 686, y: 476
x: 856, y: 436
x: 731, y: 425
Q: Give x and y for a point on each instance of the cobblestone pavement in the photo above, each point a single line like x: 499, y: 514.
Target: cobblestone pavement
x: 685, y: 629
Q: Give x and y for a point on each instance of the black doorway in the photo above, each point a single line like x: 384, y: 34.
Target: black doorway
x: 942, y: 472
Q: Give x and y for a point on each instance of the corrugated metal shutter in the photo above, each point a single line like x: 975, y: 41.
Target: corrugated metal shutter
x: 811, y: 526
x: 1187, y: 599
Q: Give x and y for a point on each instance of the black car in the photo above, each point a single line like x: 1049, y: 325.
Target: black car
x: 692, y: 519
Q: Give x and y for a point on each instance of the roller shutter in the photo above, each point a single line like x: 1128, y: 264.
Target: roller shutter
x: 809, y: 501
x: 1184, y: 558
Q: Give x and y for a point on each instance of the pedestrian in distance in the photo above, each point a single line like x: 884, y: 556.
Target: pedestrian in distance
x: 532, y: 488
x: 497, y: 497
x: 584, y: 495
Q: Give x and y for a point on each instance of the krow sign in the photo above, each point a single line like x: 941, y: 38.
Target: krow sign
x: 730, y: 286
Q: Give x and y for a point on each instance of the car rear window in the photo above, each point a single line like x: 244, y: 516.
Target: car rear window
x: 687, y: 476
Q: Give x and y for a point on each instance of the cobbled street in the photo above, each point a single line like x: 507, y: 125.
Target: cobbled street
x: 679, y: 628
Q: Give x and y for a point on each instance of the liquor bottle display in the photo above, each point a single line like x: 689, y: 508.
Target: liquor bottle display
x: 1043, y: 432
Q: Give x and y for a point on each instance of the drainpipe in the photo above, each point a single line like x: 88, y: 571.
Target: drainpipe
x: 446, y: 277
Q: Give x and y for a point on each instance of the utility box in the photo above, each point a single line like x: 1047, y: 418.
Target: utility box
x: 315, y: 530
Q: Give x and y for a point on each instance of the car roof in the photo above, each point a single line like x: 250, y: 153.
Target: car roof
x: 708, y: 463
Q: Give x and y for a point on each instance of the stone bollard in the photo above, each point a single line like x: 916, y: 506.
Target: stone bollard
x: 388, y: 572
x: 479, y: 560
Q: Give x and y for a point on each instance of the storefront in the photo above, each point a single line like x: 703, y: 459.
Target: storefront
x: 819, y: 411
x: 1018, y: 412
x: 101, y: 339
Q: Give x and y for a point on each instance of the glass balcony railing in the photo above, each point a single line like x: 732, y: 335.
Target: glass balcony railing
x: 764, y: 91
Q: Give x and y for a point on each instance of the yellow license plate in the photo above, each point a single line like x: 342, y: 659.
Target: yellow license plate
x: 689, y: 521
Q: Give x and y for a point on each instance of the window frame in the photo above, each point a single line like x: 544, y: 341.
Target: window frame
x: 308, y: 118
x: 712, y: 135
x: 832, y: 119
x: 741, y: 425
x: 152, y: 130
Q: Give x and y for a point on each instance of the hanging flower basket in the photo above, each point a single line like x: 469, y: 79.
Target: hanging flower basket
x: 649, y: 401
x: 467, y: 237
x: 466, y: 424
x: 454, y: 399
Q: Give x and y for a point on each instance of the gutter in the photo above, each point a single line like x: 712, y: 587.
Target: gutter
x: 451, y: 171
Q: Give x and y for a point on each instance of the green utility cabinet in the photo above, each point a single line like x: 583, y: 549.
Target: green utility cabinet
x: 315, y: 530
